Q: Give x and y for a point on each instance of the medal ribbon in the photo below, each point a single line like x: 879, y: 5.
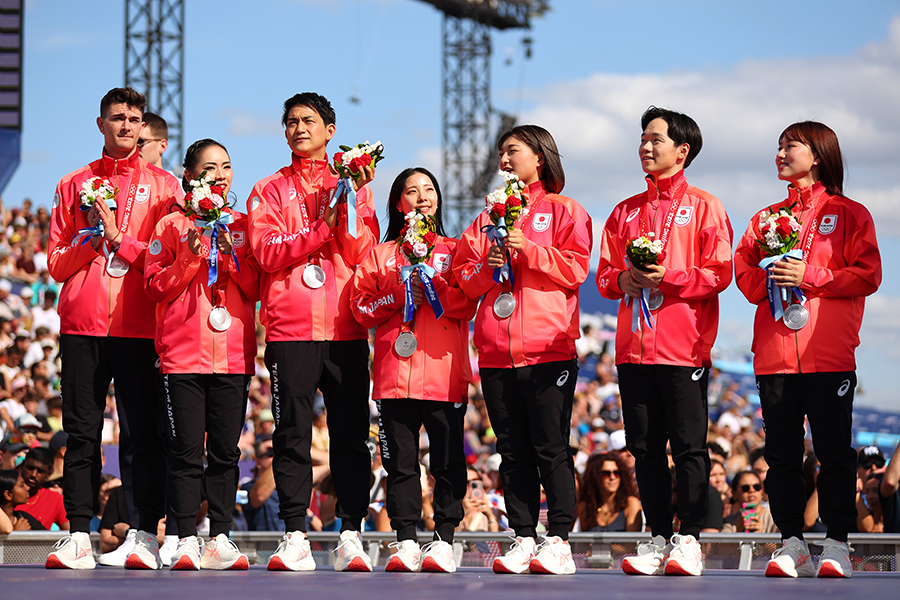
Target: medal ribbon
x: 211, y: 229
x: 345, y: 188
x: 497, y: 235
x: 426, y: 273
x: 86, y: 233
x: 638, y: 308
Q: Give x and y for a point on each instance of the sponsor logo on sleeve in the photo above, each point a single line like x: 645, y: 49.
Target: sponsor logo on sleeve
x: 683, y: 216
x: 292, y: 193
x: 391, y: 261
x: 143, y: 193
x: 632, y: 214
x: 55, y: 201
x: 829, y: 224
x: 541, y: 221
x: 155, y: 247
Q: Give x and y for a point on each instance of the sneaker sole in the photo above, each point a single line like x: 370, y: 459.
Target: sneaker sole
x: 54, y: 562
x: 240, y: 564
x: 397, y: 566
x: 539, y: 569
x: 502, y: 569
x: 276, y: 564
x: 357, y: 565
x: 773, y: 569
x: 430, y: 565
x: 630, y: 569
x: 673, y: 568
x: 185, y: 563
x: 133, y: 562
x: 831, y: 571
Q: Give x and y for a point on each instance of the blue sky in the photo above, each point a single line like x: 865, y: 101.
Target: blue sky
x: 743, y: 70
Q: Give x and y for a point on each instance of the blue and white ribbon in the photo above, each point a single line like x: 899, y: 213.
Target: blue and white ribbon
x: 211, y: 229
x: 84, y: 235
x: 775, y: 302
x: 637, y: 308
x: 497, y: 234
x: 426, y: 273
x: 345, y: 188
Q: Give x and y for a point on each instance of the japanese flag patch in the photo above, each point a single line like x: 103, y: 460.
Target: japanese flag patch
x: 239, y: 238
x: 442, y: 262
x: 143, y: 193
x: 541, y: 221
x: 683, y: 216
x: 828, y: 224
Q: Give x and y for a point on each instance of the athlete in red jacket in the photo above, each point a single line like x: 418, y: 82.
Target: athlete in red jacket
x: 527, y: 356
x: 427, y: 387
x: 206, y: 338
x: 663, y: 362
x: 107, y: 324
x: 804, y: 359
x: 313, y: 341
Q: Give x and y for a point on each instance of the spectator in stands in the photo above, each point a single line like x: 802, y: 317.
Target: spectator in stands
x: 58, y: 448
x: 11, y: 448
x: 43, y: 504
x: 478, y: 513
x: 261, y: 510
x: 117, y: 537
x: 608, y: 496
x: 108, y: 481
x: 811, y: 519
x: 719, y: 481
x: 45, y: 315
x: 154, y: 140
x: 748, y: 514
x: 879, y: 505
x: 13, y: 493
x: 869, y: 459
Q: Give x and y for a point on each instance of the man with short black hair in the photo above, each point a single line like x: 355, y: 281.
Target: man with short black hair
x: 102, y: 218
x: 44, y: 505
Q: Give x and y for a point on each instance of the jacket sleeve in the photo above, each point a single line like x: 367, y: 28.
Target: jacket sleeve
x: 65, y: 260
x: 354, y: 250
x: 273, y: 245
x: 714, y: 272
x: 750, y: 278
x: 168, y: 273
x: 371, y: 304
x: 612, y: 261
x: 861, y: 276
x: 470, y: 267
x: 568, y: 262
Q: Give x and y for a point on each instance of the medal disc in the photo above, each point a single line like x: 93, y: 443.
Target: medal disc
x: 504, y: 305
x: 116, y: 267
x: 656, y: 299
x: 796, y: 316
x: 406, y: 344
x: 219, y: 318
x: 314, y: 276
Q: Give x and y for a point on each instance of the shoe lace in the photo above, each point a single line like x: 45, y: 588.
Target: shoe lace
x: 791, y: 547
x: 63, y: 542
x: 832, y: 549
x: 680, y: 545
x: 517, y: 546
x: 351, y: 540
x: 648, y: 548
x: 435, y: 546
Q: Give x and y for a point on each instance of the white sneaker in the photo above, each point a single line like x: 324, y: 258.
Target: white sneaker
x: 350, y: 553
x: 835, y: 559
x: 222, y: 554
x: 187, y: 554
x: 553, y: 557
x: 791, y: 560
x: 407, y: 557
x: 686, y: 556
x: 167, y: 550
x: 650, y: 559
x: 116, y: 558
x: 518, y: 558
x: 145, y: 554
x: 437, y: 557
x: 293, y: 554
x: 72, y: 552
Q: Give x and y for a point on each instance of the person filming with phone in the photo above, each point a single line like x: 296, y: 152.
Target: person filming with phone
x: 749, y: 515
x: 479, y: 516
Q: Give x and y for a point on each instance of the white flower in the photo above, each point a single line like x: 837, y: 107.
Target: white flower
x: 217, y: 201
x: 420, y: 249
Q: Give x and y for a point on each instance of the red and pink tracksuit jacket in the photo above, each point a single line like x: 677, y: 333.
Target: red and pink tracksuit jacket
x: 698, y: 267
x: 439, y: 369
x: 91, y: 302
x: 177, y: 279
x: 286, y: 236
x: 547, y: 273
x: 843, y: 266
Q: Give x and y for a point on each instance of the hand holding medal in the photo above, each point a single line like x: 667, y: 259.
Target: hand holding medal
x: 779, y: 235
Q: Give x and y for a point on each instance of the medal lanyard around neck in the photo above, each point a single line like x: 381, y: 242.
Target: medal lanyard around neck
x: 301, y: 200
x: 644, y: 226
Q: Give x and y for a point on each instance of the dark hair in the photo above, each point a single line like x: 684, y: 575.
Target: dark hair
x: 125, y: 95
x: 315, y: 101
x: 736, y: 482
x: 589, y: 491
x: 192, y: 157
x: 8, y: 480
x: 396, y: 218
x: 716, y: 448
x: 756, y: 454
x: 541, y: 143
x: 809, y: 471
x: 157, y: 125
x: 41, y: 455
x: 681, y: 129
x: 823, y: 143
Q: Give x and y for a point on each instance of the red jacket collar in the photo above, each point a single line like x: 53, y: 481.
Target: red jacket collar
x: 668, y: 186
x: 121, y: 166
x: 535, y: 192
x: 309, y: 169
x: 807, y: 196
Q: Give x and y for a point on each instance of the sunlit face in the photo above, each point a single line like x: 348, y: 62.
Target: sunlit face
x: 217, y: 164
x: 306, y: 132
x: 660, y: 156
x: 418, y: 193
x: 121, y: 128
x: 516, y: 157
x: 796, y: 163
x: 717, y: 477
x: 871, y: 492
x: 750, y: 489
x: 151, y: 147
x: 264, y: 455
x: 20, y: 492
x: 34, y: 473
x: 610, y: 477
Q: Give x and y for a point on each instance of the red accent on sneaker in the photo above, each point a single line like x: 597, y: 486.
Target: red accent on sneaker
x: 673, y: 568
x: 536, y: 567
x: 184, y: 564
x: 430, y: 565
x: 773, y: 570
x: 276, y: 564
x: 133, y: 562
x: 829, y: 570
x: 394, y: 565
x: 241, y: 564
x: 53, y: 562
x: 358, y: 564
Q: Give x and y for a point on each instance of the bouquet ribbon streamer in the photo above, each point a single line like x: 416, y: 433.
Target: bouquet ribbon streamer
x: 211, y: 231
x: 497, y: 235
x: 772, y: 289
x: 426, y: 273
x: 637, y: 308
x: 345, y: 188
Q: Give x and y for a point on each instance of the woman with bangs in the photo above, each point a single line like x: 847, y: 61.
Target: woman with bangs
x: 608, y: 496
x: 809, y: 311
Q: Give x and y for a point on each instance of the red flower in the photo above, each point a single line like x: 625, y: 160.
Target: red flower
x: 661, y: 257
x: 338, y: 158
x: 205, y: 204
x: 97, y: 184
x: 356, y: 165
x: 217, y: 190
x: 499, y: 210
x: 365, y: 160
x: 514, y: 201
x: 429, y: 238
x: 407, y: 248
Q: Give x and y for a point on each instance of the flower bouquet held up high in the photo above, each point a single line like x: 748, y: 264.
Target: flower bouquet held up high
x: 504, y: 206
x: 206, y: 204
x: 779, y: 235
x: 416, y: 245
x: 349, y: 165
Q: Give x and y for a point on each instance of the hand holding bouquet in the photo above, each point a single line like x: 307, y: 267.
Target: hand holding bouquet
x: 206, y: 204
x: 779, y: 234
x: 643, y: 251
x: 417, y: 240
x: 351, y: 161
x: 504, y: 205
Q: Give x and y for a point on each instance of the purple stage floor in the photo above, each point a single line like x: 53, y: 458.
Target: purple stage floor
x: 32, y: 581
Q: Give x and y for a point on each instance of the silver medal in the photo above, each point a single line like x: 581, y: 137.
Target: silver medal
x: 504, y: 305
x: 115, y: 266
x: 656, y: 299
x: 219, y: 318
x: 406, y: 344
x: 314, y: 276
x: 796, y: 316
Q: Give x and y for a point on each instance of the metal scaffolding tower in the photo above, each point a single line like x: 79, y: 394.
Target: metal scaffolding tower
x: 11, y: 50
x: 469, y: 163
x: 154, y: 64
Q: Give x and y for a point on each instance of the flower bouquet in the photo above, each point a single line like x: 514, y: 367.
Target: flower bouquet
x: 206, y: 204
x: 95, y: 188
x: 504, y: 206
x: 779, y: 235
x: 643, y: 251
x: 417, y: 239
x: 348, y: 165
